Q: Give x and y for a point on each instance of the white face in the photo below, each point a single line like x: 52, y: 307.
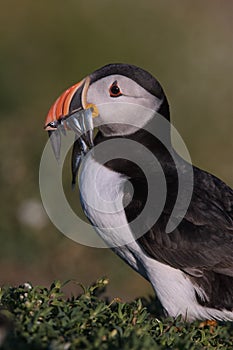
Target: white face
x: 121, y: 100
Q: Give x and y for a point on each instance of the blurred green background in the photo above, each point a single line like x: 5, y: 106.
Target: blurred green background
x: 47, y: 46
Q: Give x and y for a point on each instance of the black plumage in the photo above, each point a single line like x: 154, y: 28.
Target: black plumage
x: 202, y: 244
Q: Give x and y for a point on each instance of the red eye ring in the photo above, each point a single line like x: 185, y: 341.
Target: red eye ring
x: 114, y: 90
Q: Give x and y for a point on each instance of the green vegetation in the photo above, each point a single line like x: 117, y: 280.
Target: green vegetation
x: 42, y: 318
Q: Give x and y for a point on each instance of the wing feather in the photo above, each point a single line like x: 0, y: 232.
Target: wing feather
x: 204, y: 238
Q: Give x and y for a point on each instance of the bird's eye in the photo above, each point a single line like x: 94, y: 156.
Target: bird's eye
x: 114, y: 90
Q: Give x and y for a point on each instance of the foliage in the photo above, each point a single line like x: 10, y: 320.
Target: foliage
x: 42, y: 318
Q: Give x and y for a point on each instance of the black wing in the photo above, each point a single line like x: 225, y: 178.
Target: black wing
x: 202, y: 244
x: 204, y: 238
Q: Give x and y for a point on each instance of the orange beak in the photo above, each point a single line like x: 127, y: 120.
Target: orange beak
x: 62, y: 106
x: 62, y: 114
x: 65, y: 105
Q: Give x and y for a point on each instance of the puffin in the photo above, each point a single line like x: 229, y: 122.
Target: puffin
x: 129, y: 177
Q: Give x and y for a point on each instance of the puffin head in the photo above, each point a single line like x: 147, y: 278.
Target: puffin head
x: 115, y: 94
x: 119, y: 99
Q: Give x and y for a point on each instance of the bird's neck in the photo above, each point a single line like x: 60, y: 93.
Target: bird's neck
x: 162, y: 151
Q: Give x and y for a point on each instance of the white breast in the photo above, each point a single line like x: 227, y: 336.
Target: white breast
x: 101, y: 191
